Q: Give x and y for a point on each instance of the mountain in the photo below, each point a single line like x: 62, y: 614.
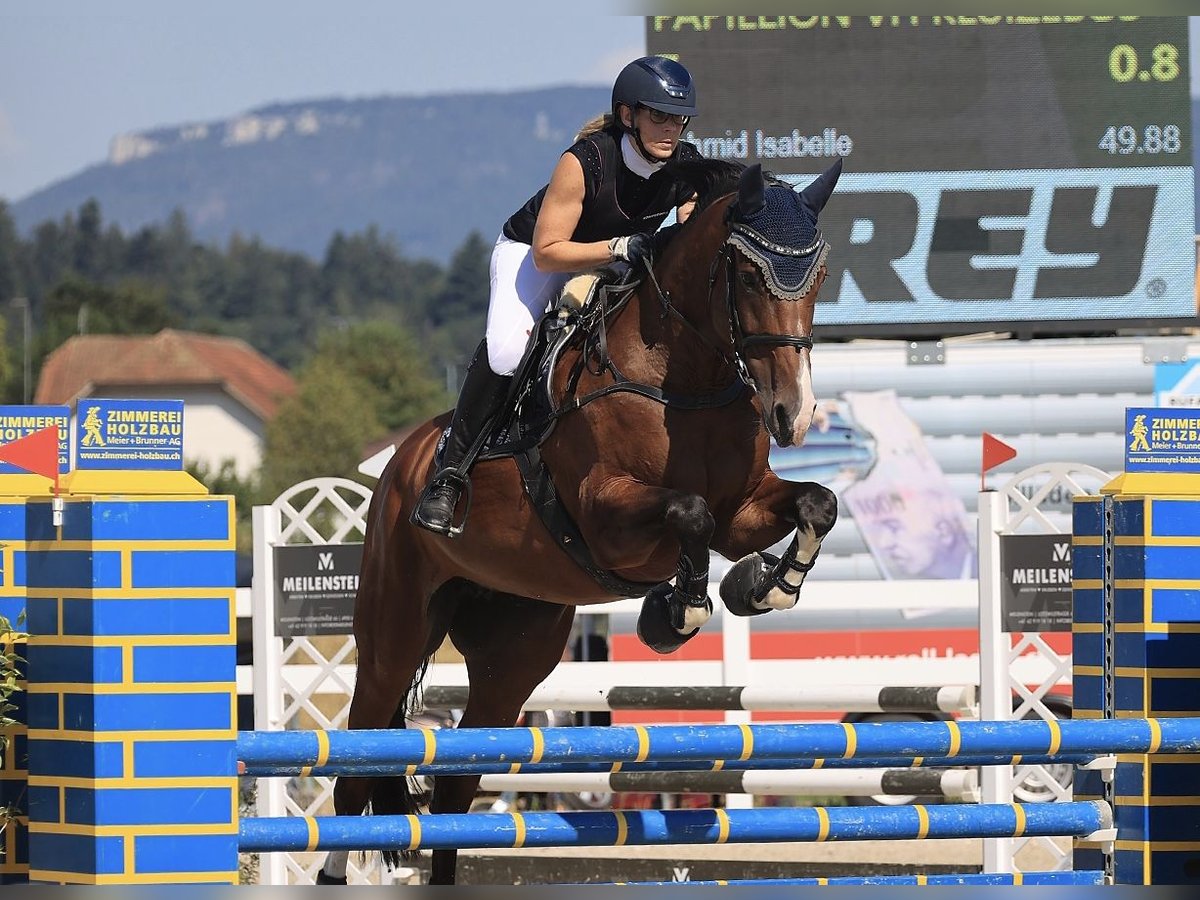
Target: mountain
x: 427, y: 170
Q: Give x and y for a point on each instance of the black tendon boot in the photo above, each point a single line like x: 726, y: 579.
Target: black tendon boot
x: 483, y: 393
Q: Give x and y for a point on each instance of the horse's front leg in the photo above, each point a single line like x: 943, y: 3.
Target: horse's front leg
x: 635, y: 518
x: 759, y: 582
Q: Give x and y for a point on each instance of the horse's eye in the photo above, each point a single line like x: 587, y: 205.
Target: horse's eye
x: 749, y: 279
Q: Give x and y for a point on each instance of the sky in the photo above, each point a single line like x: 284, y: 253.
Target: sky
x: 75, y: 73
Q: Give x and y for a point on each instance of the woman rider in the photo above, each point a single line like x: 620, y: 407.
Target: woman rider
x: 607, y: 195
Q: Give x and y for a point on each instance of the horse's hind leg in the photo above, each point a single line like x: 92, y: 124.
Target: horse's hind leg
x: 403, y: 629
x: 510, y: 645
x: 756, y: 584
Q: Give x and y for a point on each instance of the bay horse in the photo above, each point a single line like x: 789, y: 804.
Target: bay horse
x: 663, y: 460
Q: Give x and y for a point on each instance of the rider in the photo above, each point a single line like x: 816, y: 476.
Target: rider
x: 607, y: 195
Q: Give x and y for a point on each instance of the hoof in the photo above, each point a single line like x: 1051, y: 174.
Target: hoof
x: 739, y: 583
x: 654, y: 624
x: 322, y: 878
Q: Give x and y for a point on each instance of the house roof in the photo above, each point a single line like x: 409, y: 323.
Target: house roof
x: 87, y: 364
x: 395, y: 437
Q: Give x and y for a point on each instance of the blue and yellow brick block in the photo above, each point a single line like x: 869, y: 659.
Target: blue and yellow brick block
x: 1136, y: 654
x: 132, y: 694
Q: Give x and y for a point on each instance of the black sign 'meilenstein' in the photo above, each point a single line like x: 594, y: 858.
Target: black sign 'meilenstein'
x: 1035, y: 577
x: 314, y: 588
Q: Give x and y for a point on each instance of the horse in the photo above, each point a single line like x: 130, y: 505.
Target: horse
x: 658, y: 454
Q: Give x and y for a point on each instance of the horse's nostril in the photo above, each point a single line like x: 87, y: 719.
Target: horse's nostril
x: 782, y: 419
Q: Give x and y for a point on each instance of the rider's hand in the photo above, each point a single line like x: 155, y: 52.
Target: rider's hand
x: 635, y: 249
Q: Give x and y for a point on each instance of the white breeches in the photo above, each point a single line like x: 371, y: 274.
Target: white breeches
x: 520, y: 295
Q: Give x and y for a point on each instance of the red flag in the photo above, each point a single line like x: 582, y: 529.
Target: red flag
x: 37, y: 453
x: 995, y: 452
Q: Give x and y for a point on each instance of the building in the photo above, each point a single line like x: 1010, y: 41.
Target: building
x: 230, y: 390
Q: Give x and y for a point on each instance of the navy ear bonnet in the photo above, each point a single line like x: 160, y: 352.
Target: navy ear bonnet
x: 781, y: 236
x: 783, y: 241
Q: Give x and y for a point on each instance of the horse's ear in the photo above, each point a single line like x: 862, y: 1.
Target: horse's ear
x: 816, y: 195
x: 751, y: 196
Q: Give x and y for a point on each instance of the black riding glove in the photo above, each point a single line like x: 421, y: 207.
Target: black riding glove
x: 635, y: 249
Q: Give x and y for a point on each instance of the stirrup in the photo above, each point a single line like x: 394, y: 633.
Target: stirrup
x: 446, y: 476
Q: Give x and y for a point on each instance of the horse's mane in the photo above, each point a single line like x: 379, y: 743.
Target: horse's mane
x: 713, y: 178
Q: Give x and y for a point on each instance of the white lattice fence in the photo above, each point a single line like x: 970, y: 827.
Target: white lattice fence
x: 1024, y: 505
x: 303, y: 682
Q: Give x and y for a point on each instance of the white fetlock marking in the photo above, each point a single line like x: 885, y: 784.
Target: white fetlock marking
x: 778, y: 599
x: 335, y: 863
x: 694, y: 617
x: 806, y: 552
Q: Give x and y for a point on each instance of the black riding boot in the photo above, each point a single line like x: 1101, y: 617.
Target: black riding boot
x: 483, y: 393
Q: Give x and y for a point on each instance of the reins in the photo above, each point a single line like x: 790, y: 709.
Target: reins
x: 595, y: 343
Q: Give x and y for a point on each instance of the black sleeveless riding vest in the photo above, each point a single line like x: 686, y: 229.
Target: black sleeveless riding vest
x: 616, y: 201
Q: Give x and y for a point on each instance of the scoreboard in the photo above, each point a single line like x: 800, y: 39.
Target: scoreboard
x: 1027, y: 172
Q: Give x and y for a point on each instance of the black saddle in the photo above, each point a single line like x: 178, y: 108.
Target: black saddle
x: 531, y: 411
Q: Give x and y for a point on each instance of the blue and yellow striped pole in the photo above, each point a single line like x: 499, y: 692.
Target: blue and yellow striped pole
x: 635, y: 768
x: 673, y: 743
x: 980, y: 878
x: 654, y: 827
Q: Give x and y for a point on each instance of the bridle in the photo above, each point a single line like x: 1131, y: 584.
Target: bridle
x: 595, y: 347
x: 739, y: 340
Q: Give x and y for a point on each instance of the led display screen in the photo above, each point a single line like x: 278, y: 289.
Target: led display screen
x: 997, y: 169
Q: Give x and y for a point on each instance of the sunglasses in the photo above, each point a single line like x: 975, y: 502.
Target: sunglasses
x: 658, y: 117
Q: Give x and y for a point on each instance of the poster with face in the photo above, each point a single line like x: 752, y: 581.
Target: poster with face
x: 914, y: 524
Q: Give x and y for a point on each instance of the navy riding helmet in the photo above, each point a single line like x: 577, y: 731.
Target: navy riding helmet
x: 657, y: 83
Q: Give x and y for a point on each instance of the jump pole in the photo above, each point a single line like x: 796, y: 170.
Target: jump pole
x: 958, y: 785
x: 960, y: 698
x: 671, y: 743
x: 684, y: 826
x: 636, y: 768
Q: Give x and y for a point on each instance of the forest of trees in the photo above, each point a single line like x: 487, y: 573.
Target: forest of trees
x: 370, y: 334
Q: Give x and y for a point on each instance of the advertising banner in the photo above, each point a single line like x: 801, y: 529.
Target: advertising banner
x: 129, y: 434
x: 315, y: 586
x: 18, y: 422
x: 1035, y: 582
x: 1162, y: 440
x: 911, y: 519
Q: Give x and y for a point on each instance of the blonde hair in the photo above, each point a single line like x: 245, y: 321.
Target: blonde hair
x: 595, y: 126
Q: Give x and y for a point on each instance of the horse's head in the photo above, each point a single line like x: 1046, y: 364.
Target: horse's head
x: 774, y: 267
